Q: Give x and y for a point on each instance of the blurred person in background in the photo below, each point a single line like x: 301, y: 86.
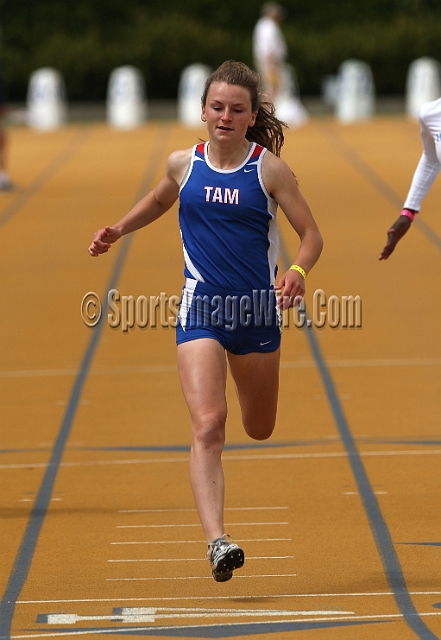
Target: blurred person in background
x: 5, y: 182
x: 270, y: 49
x: 429, y: 117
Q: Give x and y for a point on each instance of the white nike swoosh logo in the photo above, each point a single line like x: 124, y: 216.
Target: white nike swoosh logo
x: 264, y: 343
x: 248, y: 170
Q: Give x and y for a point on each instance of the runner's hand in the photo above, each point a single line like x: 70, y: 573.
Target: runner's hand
x: 292, y: 289
x: 103, y: 240
x: 395, y: 233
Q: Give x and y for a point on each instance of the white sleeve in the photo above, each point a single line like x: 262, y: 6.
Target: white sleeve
x: 429, y: 164
x: 423, y: 178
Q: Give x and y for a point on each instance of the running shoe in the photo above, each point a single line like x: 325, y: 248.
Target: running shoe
x: 225, y: 556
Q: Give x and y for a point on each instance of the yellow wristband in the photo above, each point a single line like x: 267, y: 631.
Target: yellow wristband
x: 299, y: 269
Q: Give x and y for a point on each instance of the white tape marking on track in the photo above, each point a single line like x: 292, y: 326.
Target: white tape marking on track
x: 227, y: 458
x: 148, y: 614
x: 195, y: 510
x: 177, y: 526
x: 236, y: 577
x: 199, y: 598
x: 172, y: 368
x: 201, y: 541
x: 226, y: 624
x: 200, y: 559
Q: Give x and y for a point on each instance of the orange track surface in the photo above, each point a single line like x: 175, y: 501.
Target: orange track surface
x: 338, y: 513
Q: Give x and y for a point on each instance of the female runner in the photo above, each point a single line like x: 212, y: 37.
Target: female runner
x: 229, y: 190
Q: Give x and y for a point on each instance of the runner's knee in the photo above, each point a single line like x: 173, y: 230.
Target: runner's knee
x: 209, y: 430
x: 259, y: 430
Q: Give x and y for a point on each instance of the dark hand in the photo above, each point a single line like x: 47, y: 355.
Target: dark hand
x: 395, y: 233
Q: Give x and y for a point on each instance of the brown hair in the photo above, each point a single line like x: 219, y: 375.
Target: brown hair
x: 267, y: 130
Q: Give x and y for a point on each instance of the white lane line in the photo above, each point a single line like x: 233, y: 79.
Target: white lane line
x: 194, y: 510
x: 390, y: 362
x: 227, y: 458
x: 254, y: 576
x: 178, y: 526
x: 118, y: 630
x: 202, y: 541
x: 355, y: 493
x: 38, y: 373
x: 293, y: 456
x: 164, y: 368
x: 199, y: 559
x: 32, y: 500
x: 92, y: 463
x: 246, y: 598
x: 50, y: 373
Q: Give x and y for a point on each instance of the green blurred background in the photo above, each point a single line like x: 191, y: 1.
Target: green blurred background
x: 86, y: 39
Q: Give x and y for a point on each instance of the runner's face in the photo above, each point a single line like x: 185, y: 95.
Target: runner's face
x: 227, y: 111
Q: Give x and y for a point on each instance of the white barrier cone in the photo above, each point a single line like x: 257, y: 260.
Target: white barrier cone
x: 423, y: 84
x: 355, y: 92
x: 126, y: 98
x: 46, y: 99
x: 191, y: 88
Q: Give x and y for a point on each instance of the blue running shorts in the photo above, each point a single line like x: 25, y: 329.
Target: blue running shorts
x: 242, y: 321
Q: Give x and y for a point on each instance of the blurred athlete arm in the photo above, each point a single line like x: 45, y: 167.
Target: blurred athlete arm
x: 151, y: 207
x: 424, y: 176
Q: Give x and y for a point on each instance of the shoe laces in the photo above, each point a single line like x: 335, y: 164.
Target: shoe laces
x: 225, y: 539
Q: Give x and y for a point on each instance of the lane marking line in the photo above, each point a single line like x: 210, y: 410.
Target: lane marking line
x: 159, y: 368
x: 356, y: 594
x: 199, y: 559
x: 203, y: 541
x: 178, y: 526
x: 227, y: 458
x: 193, y: 510
x: 254, y: 576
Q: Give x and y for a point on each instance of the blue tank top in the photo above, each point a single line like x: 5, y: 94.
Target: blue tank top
x: 228, y: 223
